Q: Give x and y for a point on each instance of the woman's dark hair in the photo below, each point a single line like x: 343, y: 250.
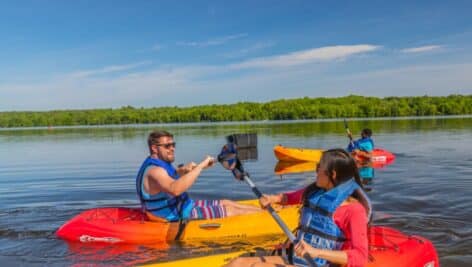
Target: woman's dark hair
x: 342, y: 163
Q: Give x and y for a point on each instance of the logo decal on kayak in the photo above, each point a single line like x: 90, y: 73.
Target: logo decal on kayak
x: 379, y: 158
x: 87, y: 238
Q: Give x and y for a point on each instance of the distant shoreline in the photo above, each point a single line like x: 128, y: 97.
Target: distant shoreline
x: 223, y: 123
x: 283, y: 110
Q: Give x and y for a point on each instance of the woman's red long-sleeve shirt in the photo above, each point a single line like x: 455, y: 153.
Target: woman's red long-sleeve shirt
x: 352, y: 220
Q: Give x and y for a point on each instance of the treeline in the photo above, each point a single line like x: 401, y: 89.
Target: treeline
x: 284, y: 109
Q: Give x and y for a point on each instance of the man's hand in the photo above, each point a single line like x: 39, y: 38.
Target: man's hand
x: 207, y: 162
x: 186, y: 168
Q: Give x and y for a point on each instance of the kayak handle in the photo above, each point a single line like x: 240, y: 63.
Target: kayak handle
x: 210, y: 225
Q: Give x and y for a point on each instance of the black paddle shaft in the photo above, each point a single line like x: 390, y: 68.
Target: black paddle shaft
x: 271, y: 210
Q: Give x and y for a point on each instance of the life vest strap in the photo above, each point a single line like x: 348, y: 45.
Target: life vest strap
x: 182, y: 225
x: 318, y: 209
x: 321, y: 234
x: 169, y: 204
x: 155, y: 199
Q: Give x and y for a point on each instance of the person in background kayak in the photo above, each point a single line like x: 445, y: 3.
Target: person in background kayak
x: 162, y: 188
x: 362, y: 149
x: 334, y: 217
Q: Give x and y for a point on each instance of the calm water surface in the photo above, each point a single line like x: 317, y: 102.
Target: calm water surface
x: 49, y: 175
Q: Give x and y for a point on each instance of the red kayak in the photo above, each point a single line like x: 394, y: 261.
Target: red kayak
x: 380, y: 158
x: 389, y: 247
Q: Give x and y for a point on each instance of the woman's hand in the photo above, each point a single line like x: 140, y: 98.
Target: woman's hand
x: 302, y: 248
x: 264, y: 201
x: 333, y: 256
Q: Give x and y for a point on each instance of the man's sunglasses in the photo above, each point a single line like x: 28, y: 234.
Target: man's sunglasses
x: 167, y: 146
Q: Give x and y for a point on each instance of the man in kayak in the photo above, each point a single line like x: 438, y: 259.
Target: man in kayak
x: 162, y: 188
x: 333, y: 217
x: 362, y: 149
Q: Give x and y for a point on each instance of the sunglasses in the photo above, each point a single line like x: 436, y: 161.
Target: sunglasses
x: 167, y: 146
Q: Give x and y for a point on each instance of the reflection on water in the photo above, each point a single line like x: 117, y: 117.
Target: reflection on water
x: 288, y: 167
x: 50, y: 175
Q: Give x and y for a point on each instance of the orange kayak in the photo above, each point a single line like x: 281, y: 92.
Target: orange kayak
x: 130, y: 225
x: 283, y: 153
x: 380, y: 156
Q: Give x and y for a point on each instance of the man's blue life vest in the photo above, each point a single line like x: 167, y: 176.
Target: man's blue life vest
x: 317, y: 226
x: 365, y: 144
x: 163, y: 205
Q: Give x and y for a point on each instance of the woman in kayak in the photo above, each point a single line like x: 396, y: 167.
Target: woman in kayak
x: 162, y: 188
x: 333, y: 221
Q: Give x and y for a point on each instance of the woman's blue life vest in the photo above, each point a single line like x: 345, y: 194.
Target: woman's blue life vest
x: 365, y: 144
x: 317, y: 226
x: 163, y: 205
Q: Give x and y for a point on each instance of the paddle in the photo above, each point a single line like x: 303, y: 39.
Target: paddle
x: 349, y: 134
x: 229, y: 159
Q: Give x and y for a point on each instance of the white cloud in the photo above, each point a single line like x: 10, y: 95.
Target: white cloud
x: 430, y: 79
x: 195, y: 85
x: 248, y: 50
x: 108, y: 69
x: 421, y: 49
x: 79, y: 92
x: 214, y: 41
x: 322, y: 54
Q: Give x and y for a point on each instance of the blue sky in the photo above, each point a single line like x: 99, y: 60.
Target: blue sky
x: 107, y: 54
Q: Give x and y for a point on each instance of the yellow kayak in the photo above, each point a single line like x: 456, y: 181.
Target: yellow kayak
x: 205, y: 261
x: 297, y: 154
x: 387, y: 248
x: 250, y: 225
x: 380, y: 157
x: 130, y: 225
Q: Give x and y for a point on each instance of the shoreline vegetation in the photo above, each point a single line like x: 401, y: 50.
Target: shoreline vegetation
x: 284, y: 109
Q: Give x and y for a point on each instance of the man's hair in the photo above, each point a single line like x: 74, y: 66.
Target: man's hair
x: 154, y: 136
x: 367, y: 132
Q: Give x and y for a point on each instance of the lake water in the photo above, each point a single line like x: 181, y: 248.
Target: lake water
x: 49, y: 175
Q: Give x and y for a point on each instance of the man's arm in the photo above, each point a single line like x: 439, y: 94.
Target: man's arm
x: 159, y: 180
x: 184, y: 169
